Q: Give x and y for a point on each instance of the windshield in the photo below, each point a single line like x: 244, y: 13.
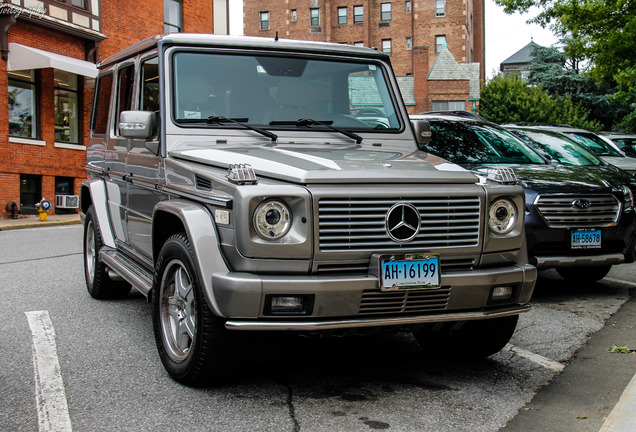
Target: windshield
x: 593, y: 143
x: 275, y: 92
x: 628, y: 145
x: 471, y: 142
x: 557, y: 148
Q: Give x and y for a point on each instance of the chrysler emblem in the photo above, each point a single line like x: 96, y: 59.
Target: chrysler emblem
x: 581, y: 204
x: 403, y: 222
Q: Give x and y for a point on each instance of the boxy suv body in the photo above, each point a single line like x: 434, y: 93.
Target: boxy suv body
x: 230, y: 181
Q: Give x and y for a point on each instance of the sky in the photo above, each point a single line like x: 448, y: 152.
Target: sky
x: 505, y: 34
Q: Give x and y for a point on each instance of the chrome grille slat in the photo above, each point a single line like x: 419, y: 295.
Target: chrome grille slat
x: 375, y: 302
x: 357, y: 224
x: 559, y: 212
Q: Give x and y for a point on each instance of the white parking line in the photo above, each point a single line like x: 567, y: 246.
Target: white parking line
x: 536, y: 358
x: 633, y: 284
x: 622, y: 416
x: 50, y: 397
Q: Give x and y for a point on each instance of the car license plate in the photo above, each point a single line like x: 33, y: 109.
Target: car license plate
x: 586, y: 239
x: 422, y: 272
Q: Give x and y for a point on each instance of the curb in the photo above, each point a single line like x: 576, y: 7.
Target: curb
x: 38, y: 224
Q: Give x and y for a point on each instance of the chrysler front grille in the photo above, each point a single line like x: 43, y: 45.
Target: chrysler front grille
x: 564, y: 211
x: 357, y: 224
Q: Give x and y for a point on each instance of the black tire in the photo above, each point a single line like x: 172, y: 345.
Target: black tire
x: 190, y: 338
x: 99, y: 285
x: 471, y: 340
x: 584, y: 274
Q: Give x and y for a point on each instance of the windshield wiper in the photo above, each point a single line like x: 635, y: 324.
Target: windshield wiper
x: 311, y: 122
x: 242, y: 121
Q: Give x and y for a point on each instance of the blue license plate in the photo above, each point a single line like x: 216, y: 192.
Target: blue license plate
x: 586, y: 239
x: 423, y: 272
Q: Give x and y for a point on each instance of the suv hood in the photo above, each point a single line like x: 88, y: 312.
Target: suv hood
x: 328, y: 163
x: 565, y: 178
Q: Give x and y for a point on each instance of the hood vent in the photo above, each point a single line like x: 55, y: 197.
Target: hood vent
x: 202, y: 183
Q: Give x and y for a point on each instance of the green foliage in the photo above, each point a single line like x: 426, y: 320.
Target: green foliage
x: 512, y: 100
x: 616, y: 349
x: 551, y: 69
x: 602, y: 34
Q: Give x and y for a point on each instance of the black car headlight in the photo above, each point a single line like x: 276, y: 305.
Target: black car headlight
x: 502, y: 216
x: 272, y: 219
x: 629, y: 198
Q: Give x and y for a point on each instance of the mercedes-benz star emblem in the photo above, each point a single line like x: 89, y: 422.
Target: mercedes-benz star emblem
x: 403, y: 222
x: 581, y: 204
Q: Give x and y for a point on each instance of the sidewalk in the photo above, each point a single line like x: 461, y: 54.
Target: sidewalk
x: 33, y: 221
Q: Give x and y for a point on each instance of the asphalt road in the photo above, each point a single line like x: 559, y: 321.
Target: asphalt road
x: 112, y: 378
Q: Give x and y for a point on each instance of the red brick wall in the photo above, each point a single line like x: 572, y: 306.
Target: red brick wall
x: 448, y: 91
x: 47, y: 161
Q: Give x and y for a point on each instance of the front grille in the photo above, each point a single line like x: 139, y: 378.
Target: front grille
x: 376, y: 302
x: 559, y: 211
x: 358, y: 224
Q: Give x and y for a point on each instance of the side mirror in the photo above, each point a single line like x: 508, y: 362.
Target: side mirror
x: 422, y: 131
x: 138, y: 124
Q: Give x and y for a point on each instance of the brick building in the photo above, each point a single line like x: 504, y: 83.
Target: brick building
x: 417, y: 34
x: 48, y: 53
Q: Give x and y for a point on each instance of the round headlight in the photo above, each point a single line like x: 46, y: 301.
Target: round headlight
x: 272, y: 219
x: 502, y: 216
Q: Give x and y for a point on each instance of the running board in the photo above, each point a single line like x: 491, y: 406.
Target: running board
x: 136, y: 275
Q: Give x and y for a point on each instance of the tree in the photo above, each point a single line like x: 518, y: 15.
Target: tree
x: 512, y: 100
x: 559, y: 76
x: 603, y: 32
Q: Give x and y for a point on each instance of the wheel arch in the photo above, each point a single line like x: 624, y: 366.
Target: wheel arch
x: 93, y: 192
x: 171, y: 217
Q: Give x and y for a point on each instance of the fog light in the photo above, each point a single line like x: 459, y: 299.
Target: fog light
x: 501, y: 293
x: 287, y: 304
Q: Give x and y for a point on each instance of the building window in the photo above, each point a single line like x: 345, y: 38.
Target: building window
x: 294, y: 15
x: 264, y: 20
x: 79, y: 3
x: 407, y: 4
x: 30, y: 192
x: 342, y: 15
x: 358, y: 44
x: 66, y: 107
x: 23, y: 113
x: 385, y: 14
x: 64, y: 186
x: 386, y: 46
x: 440, y: 7
x: 440, y: 42
x: 409, y: 43
x: 172, y: 16
x: 449, y: 105
x: 358, y: 14
x: 314, y: 16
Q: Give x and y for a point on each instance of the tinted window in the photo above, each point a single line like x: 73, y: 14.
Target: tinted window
x: 102, y: 102
x: 557, y: 148
x: 477, y: 143
x: 593, y: 143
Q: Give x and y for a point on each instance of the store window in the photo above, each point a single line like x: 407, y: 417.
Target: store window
x: 67, y: 108
x: 172, y: 16
x: 342, y: 15
x: 30, y: 193
x: 385, y: 12
x: 358, y: 14
x: 314, y: 15
x: 23, y: 104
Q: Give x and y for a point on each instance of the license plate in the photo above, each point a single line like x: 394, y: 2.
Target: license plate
x: 410, y: 273
x: 586, y: 239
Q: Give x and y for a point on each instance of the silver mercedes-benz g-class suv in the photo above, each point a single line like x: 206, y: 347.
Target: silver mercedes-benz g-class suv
x: 262, y: 184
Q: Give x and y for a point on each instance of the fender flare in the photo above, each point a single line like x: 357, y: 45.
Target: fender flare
x: 201, y: 230
x: 97, y: 190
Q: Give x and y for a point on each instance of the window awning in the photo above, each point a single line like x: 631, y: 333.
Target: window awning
x: 23, y: 57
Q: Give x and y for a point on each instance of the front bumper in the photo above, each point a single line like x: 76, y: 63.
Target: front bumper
x: 339, y: 301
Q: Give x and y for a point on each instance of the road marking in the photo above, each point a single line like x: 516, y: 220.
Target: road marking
x: 622, y: 416
x: 619, y: 281
x: 536, y: 358
x: 50, y: 397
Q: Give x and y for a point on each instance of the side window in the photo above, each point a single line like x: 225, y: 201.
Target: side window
x: 126, y: 77
x: 149, y: 98
x: 99, y: 124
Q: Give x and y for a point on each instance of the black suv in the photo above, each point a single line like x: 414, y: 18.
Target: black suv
x: 580, y: 219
